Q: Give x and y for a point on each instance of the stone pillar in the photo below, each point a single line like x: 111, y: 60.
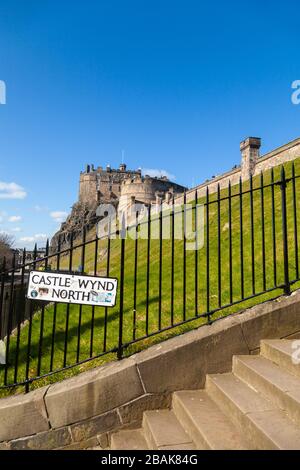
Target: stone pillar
x: 167, y: 197
x: 158, y: 197
x: 250, y: 153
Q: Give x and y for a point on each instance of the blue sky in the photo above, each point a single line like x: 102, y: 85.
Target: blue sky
x: 175, y: 84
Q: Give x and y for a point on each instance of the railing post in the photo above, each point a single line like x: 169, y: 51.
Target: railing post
x: 287, y: 287
x: 120, y: 346
x: 3, y: 267
x: 9, y: 322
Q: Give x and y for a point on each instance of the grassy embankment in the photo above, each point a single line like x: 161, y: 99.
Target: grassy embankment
x: 113, y: 313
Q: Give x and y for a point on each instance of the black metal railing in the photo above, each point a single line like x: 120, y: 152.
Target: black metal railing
x: 194, y: 261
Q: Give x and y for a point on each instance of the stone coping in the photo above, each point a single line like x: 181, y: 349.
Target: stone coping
x: 280, y: 149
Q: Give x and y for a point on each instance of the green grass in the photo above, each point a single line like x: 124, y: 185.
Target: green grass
x: 58, y: 335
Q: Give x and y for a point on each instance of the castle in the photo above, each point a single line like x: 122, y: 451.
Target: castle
x: 120, y: 187
x: 106, y: 186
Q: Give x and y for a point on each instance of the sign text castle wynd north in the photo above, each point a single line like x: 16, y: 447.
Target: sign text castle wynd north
x: 72, y: 288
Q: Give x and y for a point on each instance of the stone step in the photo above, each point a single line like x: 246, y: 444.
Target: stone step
x: 204, y: 421
x: 129, y: 439
x: 281, y: 351
x: 277, y: 385
x: 162, y: 430
x: 266, y: 426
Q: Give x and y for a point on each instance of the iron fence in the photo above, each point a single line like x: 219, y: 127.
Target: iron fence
x: 245, y: 249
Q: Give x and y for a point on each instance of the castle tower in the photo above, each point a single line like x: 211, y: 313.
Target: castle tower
x: 103, y: 185
x: 250, y: 154
x: 146, y: 190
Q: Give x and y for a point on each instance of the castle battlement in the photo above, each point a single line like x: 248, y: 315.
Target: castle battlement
x: 98, y: 185
x: 121, y: 187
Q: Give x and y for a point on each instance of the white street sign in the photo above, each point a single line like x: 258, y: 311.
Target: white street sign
x: 72, y: 288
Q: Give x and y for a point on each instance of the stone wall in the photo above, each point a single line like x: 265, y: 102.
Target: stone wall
x: 103, y: 185
x: 283, y: 154
x: 88, y: 188
x: 147, y: 190
x: 251, y: 164
x: 83, y: 411
x: 120, y: 187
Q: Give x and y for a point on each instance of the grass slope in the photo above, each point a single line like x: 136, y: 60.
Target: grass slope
x: 80, y: 319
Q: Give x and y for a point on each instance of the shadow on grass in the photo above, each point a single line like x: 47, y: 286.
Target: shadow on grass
x: 56, y: 339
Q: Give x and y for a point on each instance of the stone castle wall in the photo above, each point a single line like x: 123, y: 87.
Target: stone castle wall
x: 147, y: 190
x: 251, y: 164
x: 106, y: 186
x: 88, y: 188
x: 283, y: 154
x: 98, y: 186
x: 120, y: 187
x: 103, y: 185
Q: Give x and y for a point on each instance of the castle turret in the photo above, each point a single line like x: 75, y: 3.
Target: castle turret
x: 147, y: 190
x: 103, y: 185
x: 121, y: 187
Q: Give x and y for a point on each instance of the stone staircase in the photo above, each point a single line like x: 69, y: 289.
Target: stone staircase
x: 256, y: 406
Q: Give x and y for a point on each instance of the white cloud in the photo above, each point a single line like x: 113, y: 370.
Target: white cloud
x: 27, y: 239
x: 14, y: 218
x: 2, y: 215
x: 16, y: 229
x: 39, y: 237
x: 38, y: 208
x: 58, y: 216
x: 153, y: 172
x: 11, y: 191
